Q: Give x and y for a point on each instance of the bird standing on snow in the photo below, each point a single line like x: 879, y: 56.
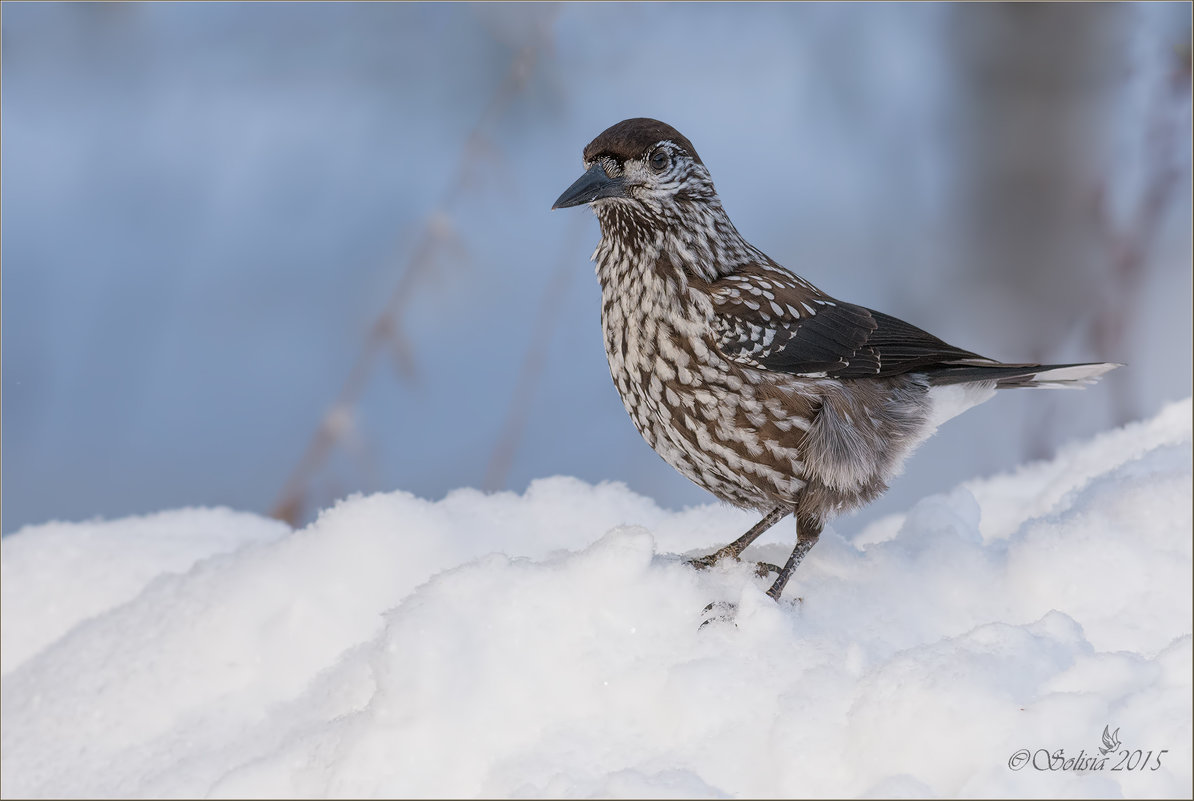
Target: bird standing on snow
x: 745, y: 377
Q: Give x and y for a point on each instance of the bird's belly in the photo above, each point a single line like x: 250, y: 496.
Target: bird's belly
x: 862, y: 433
x: 704, y: 417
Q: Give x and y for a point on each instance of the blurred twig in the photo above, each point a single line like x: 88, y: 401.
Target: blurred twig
x: 386, y: 330
x: 1131, y: 245
x: 533, y: 363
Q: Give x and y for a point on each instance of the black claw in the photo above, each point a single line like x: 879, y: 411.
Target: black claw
x: 724, y: 614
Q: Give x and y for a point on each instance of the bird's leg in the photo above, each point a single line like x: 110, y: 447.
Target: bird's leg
x: 739, y: 545
x: 807, y: 532
x: 723, y: 611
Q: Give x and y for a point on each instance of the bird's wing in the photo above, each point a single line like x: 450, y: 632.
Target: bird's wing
x: 767, y: 317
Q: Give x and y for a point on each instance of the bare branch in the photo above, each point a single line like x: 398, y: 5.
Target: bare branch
x: 386, y: 331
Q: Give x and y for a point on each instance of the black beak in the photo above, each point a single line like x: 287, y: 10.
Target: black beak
x: 593, y: 185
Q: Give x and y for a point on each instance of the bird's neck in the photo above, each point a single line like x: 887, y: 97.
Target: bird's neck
x: 696, y: 239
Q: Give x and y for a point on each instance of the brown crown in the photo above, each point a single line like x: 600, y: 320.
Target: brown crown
x: 632, y: 138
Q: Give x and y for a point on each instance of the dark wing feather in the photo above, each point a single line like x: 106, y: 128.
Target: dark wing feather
x: 771, y: 319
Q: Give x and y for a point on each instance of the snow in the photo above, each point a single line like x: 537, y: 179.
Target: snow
x: 104, y: 564
x: 549, y: 644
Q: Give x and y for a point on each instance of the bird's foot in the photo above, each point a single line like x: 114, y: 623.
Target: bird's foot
x: 704, y: 562
x: 762, y: 569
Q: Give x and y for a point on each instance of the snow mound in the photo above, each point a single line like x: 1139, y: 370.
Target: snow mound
x: 58, y: 574
x: 550, y: 644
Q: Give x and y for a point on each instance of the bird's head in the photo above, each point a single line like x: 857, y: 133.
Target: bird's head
x: 642, y: 167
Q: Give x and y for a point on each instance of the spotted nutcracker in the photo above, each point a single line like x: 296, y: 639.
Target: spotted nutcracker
x: 743, y: 376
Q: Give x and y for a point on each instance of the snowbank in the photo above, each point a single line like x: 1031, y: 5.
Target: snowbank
x: 549, y: 644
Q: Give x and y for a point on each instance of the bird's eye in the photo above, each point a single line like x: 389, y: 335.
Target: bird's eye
x: 659, y: 160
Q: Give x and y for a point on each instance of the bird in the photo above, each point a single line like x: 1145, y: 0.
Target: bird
x: 762, y: 389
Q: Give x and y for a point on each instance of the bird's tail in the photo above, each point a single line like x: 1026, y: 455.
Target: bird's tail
x: 1007, y: 376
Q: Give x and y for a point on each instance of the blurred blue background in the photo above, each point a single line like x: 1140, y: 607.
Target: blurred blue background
x: 265, y: 255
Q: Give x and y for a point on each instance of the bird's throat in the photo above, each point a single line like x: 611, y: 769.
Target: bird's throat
x: 697, y: 240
